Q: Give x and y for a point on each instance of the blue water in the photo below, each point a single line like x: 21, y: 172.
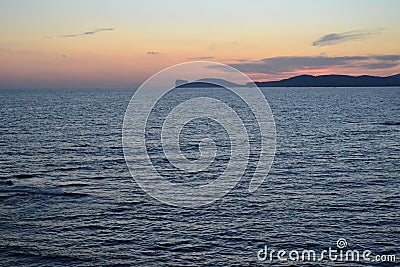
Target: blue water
x: 67, y: 198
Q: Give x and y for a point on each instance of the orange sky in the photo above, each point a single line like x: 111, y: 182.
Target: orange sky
x: 121, y: 43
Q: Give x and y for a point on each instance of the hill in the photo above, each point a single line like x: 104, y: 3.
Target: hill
x: 333, y: 80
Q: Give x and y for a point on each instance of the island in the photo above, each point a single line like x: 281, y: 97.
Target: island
x: 333, y: 80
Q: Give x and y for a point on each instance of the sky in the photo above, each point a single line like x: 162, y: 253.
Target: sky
x: 121, y: 43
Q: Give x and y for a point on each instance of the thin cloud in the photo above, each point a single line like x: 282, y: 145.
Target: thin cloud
x: 153, y: 53
x: 201, y: 58
x: 287, y: 64
x: 337, y: 38
x: 244, y: 60
x: 20, y: 52
x: 82, y: 34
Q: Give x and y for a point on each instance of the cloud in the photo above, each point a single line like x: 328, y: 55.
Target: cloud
x: 83, y: 34
x: 153, y: 53
x: 287, y: 64
x: 201, y: 58
x: 20, y: 51
x: 236, y: 60
x: 336, y: 38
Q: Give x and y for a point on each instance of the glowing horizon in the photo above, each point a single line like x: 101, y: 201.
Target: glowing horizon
x: 121, y: 43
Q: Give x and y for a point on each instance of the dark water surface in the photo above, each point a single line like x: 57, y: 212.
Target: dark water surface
x: 67, y: 198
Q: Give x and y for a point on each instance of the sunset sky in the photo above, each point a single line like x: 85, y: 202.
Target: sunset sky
x: 96, y: 43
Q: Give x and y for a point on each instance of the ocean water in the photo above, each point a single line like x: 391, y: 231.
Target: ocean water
x: 67, y: 197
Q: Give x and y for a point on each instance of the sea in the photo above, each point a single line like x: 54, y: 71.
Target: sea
x: 67, y: 197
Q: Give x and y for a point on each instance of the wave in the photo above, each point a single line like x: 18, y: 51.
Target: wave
x: 23, y: 190
x: 390, y: 123
x: 23, y: 176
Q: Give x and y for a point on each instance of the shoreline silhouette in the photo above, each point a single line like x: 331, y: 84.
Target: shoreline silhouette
x: 332, y: 80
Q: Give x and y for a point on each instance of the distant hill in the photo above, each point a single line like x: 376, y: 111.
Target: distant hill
x: 207, y: 82
x: 198, y: 85
x: 334, y: 81
x: 303, y: 81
